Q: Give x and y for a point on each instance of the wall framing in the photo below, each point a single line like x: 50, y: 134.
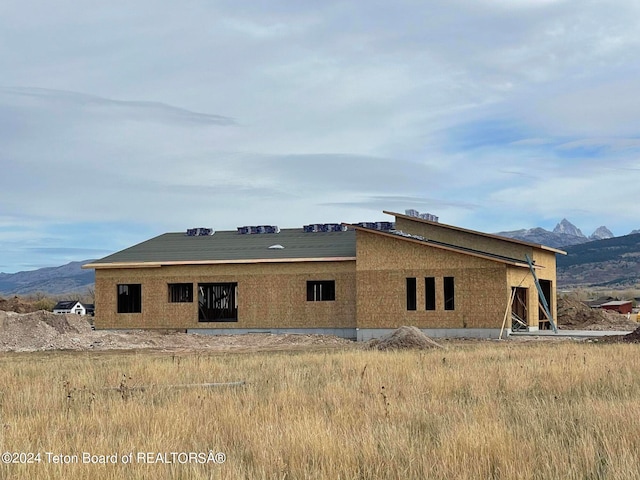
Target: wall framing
x: 268, y: 295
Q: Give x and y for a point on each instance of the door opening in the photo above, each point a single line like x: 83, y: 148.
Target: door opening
x: 543, y: 321
x: 519, y: 310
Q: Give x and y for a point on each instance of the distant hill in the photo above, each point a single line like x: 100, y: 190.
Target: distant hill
x: 613, y: 262
x: 69, y: 278
x: 565, y: 233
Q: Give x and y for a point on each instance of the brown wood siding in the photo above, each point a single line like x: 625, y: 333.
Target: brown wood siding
x: 541, y: 258
x: 464, y: 239
x: 269, y: 296
x: 383, y: 265
x: 523, y: 278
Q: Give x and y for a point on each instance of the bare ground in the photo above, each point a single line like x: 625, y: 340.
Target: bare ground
x: 41, y: 330
x: 30, y: 331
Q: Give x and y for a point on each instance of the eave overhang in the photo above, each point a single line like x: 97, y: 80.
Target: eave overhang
x: 101, y: 266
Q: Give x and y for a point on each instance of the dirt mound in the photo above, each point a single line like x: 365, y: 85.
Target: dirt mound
x: 633, y: 337
x: 42, y: 330
x: 403, y: 338
x: 575, y: 315
x: 17, y: 304
x: 68, y: 323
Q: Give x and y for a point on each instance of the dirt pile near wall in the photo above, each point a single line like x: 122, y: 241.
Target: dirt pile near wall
x: 42, y: 330
x: 575, y: 315
x: 403, y: 338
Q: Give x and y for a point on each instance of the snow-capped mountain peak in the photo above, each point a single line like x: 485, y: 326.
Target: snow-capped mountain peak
x: 601, y: 233
x: 567, y: 228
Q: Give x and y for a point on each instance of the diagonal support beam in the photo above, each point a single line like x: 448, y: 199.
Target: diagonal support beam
x: 543, y: 300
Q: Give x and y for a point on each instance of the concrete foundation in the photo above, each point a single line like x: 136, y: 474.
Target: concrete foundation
x: 364, y: 334
x: 348, y: 333
x: 361, y: 334
x: 570, y: 333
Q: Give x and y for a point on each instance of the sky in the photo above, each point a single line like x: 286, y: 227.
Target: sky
x: 123, y: 120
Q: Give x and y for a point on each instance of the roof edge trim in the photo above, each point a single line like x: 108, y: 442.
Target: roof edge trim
x: 99, y: 266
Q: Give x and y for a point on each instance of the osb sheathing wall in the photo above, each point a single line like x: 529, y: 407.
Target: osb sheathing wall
x: 518, y: 277
x: 383, y: 265
x: 464, y: 239
x: 270, y: 295
x: 541, y: 258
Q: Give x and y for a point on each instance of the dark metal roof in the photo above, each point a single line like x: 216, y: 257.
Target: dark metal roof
x: 65, y: 305
x: 230, y: 246
x: 291, y: 244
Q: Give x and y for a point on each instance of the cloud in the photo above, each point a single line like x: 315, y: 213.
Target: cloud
x: 608, y: 107
x: 486, y: 113
x: 591, y: 197
x: 400, y: 203
x: 123, y: 110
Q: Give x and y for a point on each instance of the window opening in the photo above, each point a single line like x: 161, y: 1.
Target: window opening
x: 411, y: 294
x: 218, y: 302
x: 449, y: 293
x: 321, y: 290
x: 130, y: 298
x: 180, y: 292
x: 430, y: 293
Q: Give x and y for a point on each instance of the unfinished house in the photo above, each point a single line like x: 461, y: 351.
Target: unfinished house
x: 356, y: 281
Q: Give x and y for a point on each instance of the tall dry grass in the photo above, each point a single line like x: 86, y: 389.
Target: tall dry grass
x: 483, y: 410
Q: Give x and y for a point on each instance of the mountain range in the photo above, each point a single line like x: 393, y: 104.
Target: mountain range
x: 564, y: 234
x: 599, y: 260
x: 66, y: 279
x: 610, y: 263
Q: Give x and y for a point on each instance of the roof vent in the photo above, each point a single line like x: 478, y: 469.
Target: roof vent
x: 428, y: 216
x: 277, y: 246
x: 424, y: 216
x: 258, y: 229
x: 377, y: 225
x: 199, y: 232
x: 324, y: 227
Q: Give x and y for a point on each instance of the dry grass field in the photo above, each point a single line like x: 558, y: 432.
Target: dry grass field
x: 476, y: 410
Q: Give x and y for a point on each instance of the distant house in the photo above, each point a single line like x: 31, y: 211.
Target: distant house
x: 356, y: 281
x: 74, y: 306
x: 620, y: 306
x: 598, y: 302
